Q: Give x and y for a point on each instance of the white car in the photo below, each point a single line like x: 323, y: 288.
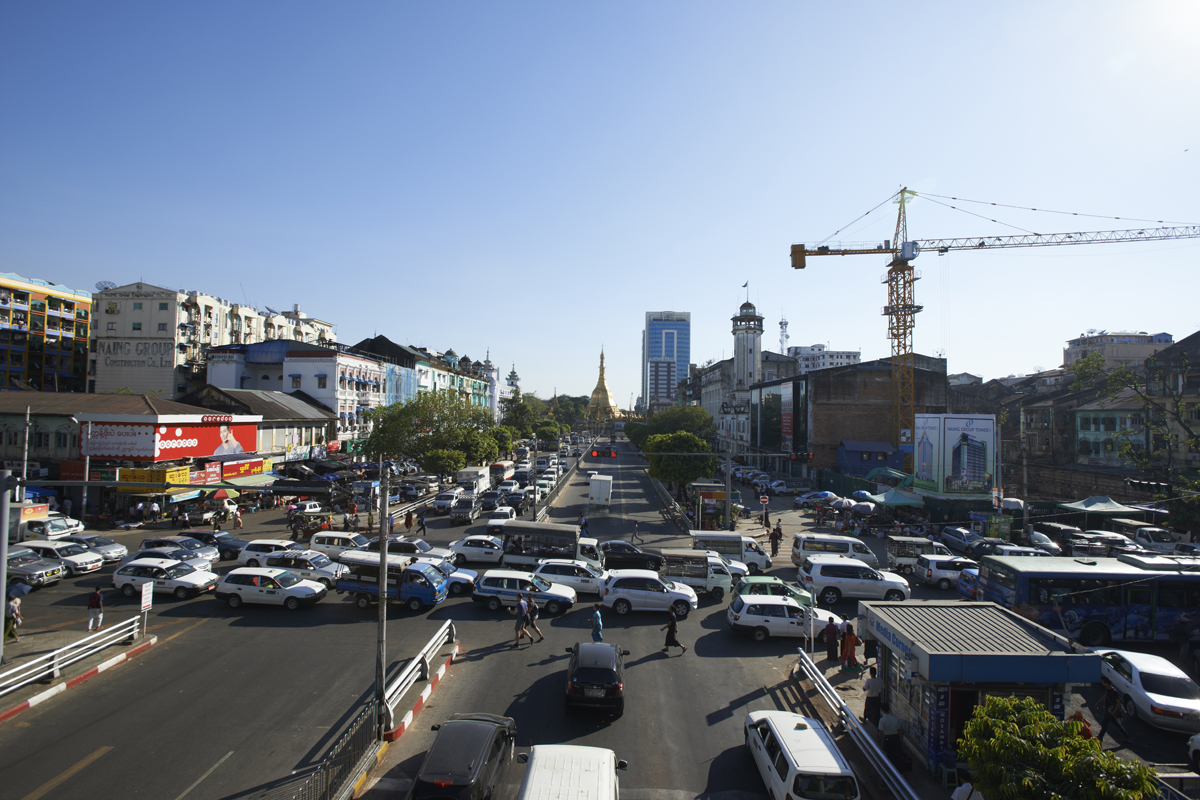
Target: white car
x: 797, y: 757
x: 502, y: 513
x: 308, y: 564
x: 508, y: 486
x: 766, y: 615
x: 831, y: 578
x: 173, y: 554
x: 1153, y: 689
x: 582, y: 577
x: 487, y: 549
x: 958, y: 538
x: 504, y: 587
x: 458, y: 581
x: 941, y: 571
x: 271, y: 586
x: 644, y: 590
x: 106, y: 548
x: 168, y: 576
x: 255, y: 554
x: 71, y: 556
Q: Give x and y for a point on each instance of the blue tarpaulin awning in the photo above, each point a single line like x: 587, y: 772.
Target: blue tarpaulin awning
x: 38, y: 491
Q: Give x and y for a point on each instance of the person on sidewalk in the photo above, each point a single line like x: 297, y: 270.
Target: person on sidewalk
x: 873, y: 691
x: 831, y: 640
x: 672, y: 629
x: 889, y: 729
x: 1111, y: 711
x: 849, y: 643
x: 12, y: 619
x: 154, y: 511
x: 95, y: 610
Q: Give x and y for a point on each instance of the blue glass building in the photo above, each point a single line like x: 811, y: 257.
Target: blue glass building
x: 667, y: 338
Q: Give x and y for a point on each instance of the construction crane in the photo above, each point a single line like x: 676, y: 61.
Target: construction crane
x: 902, y: 309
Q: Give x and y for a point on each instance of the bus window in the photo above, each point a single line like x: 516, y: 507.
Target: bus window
x: 1178, y: 594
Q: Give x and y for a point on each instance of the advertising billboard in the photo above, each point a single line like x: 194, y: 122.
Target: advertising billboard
x: 139, y: 442
x: 954, y: 455
x: 788, y: 407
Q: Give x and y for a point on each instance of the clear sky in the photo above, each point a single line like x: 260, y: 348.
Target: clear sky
x: 530, y: 178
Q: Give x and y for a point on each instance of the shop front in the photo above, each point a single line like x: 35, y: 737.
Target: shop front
x: 941, y: 660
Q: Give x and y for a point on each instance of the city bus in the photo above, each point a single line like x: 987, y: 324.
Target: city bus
x: 502, y: 471
x: 1134, y: 597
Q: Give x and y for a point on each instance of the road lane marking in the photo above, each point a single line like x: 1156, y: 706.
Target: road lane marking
x: 185, y: 630
x: 205, y: 775
x: 64, y: 775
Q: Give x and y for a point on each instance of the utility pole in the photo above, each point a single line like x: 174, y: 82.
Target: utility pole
x: 5, y: 480
x: 381, y: 655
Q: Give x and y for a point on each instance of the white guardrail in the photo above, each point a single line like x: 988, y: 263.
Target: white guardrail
x: 884, y: 768
x: 417, y: 669
x: 51, y: 664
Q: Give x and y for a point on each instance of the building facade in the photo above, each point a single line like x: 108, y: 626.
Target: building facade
x: 666, y: 351
x: 44, y: 331
x: 817, y: 357
x: 154, y: 340
x: 1120, y: 348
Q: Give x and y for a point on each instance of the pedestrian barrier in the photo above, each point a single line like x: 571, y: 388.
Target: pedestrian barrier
x: 418, y: 669
x: 883, y: 767
x: 670, y: 507
x: 50, y: 665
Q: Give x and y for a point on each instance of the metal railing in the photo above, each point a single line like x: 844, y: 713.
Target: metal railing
x: 417, y: 669
x: 335, y: 775
x: 50, y: 665
x: 882, y: 766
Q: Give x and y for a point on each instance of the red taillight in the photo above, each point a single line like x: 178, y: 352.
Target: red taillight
x: 928, y: 573
x: 571, y: 687
x: 620, y: 689
x: 441, y: 784
x: 1166, y: 712
x: 606, y: 591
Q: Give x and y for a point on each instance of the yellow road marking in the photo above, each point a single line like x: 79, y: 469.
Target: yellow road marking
x: 62, y: 776
x: 185, y: 630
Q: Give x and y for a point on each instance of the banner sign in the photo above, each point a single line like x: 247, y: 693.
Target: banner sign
x: 954, y: 455
x: 175, y: 475
x: 171, y: 442
x: 240, y: 469
x: 210, y: 474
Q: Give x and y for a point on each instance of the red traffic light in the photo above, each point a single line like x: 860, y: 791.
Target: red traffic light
x: 595, y: 454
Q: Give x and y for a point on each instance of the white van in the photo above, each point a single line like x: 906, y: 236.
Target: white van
x: 557, y: 771
x: 812, y: 544
x: 797, y: 757
x: 333, y: 544
x: 734, y: 546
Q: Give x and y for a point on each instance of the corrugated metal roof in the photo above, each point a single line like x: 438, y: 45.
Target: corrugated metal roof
x: 968, y: 628
x: 70, y: 403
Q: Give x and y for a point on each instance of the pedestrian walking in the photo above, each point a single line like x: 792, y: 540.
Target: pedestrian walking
x: 391, y: 524
x: 672, y: 629
x: 12, y: 619
x: 766, y: 517
x: 155, y: 508
x: 95, y: 610
x: 237, y: 518
x: 174, y: 516
x: 216, y: 525
x: 354, y: 523
x: 889, y: 728
x: 421, y: 523
x: 185, y: 522
x: 346, y: 522
x: 140, y: 511
x: 582, y: 520
x: 66, y: 507
x: 521, y: 611
x: 297, y: 529
x: 532, y: 612
x: 597, y: 625
x: 1111, y: 712
x: 849, y: 643
x: 873, y: 690
x: 831, y: 640
x: 408, y: 522
x: 776, y: 537
x: 370, y: 520
x: 635, y: 536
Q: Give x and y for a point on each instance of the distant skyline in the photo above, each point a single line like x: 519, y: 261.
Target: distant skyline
x: 530, y: 179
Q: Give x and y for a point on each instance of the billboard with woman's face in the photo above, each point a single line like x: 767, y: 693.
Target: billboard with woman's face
x: 146, y: 442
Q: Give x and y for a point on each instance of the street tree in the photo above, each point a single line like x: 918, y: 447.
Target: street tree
x: 429, y: 421
x: 1018, y: 750
x: 636, y: 432
x: 679, y: 469
x: 443, y: 462
x: 503, y: 438
x: 516, y: 414
x: 692, y: 419
x: 478, y: 447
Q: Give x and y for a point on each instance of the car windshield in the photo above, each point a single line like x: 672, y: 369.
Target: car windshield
x: 287, y: 580
x: 464, y: 504
x: 177, y: 554
x: 359, y: 540
x: 422, y: 545
x: 72, y: 550
x: 1159, y: 536
x: 595, y: 573
x: 99, y: 541
x: 1170, y: 686
x: 668, y: 584
x: 179, y: 570
x: 540, y: 583
x: 446, y: 496
x: 22, y: 558
x: 1039, y: 538
x: 824, y: 787
x: 190, y: 544
x: 320, y: 562
x: 444, y: 567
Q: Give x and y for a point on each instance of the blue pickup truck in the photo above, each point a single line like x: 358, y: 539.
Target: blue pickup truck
x: 418, y: 585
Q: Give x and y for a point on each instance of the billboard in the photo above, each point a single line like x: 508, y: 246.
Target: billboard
x: 143, y: 442
x: 788, y: 430
x: 954, y: 455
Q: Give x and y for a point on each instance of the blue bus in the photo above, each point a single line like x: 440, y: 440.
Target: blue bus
x: 1133, y: 597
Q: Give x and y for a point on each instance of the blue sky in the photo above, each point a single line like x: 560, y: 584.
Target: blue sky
x: 531, y: 178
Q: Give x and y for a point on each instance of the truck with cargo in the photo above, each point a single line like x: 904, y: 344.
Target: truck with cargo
x: 474, y: 480
x: 698, y: 569
x: 599, y: 493
x: 527, y: 543
x: 414, y: 583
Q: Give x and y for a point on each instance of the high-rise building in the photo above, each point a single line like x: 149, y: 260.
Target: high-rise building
x: 667, y: 340
x: 44, y: 332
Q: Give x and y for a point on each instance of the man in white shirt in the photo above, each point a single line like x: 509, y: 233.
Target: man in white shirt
x: 873, y: 689
x: 889, y: 729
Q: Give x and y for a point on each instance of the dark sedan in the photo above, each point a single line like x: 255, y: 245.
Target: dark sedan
x: 227, y: 543
x: 596, y: 677
x: 468, y: 760
x: 490, y: 500
x: 623, y: 555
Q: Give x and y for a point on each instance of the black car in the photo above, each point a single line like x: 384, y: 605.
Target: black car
x: 596, y: 676
x: 468, y: 760
x: 466, y: 510
x: 227, y: 543
x: 517, y: 501
x: 623, y: 555
x: 979, y: 548
x: 490, y: 500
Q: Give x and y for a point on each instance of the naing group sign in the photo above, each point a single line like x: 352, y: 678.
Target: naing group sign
x: 169, y: 442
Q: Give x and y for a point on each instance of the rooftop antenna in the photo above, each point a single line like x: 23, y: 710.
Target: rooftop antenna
x: 104, y: 286
x: 783, y: 335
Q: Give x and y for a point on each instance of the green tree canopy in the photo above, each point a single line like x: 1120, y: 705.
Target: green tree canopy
x: 679, y: 469
x: 443, y: 462
x: 429, y: 421
x: 692, y: 419
x: 478, y: 447
x: 636, y: 432
x: 1018, y: 750
x: 503, y: 439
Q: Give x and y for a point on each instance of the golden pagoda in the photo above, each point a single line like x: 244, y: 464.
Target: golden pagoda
x: 601, y: 406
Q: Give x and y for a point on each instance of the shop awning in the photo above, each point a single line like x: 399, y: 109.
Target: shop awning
x: 38, y: 491
x: 1098, y: 505
x: 252, y: 480
x: 895, y: 497
x: 886, y: 472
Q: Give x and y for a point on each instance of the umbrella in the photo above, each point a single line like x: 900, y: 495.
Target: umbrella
x: 844, y: 502
x: 861, y: 494
x: 19, y: 589
x: 824, y: 495
x: 863, y: 508
x: 223, y: 494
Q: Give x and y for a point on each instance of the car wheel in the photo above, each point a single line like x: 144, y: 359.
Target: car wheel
x: 717, y: 593
x: 553, y: 607
x: 415, y: 604
x: 622, y: 607
x: 943, y: 584
x: 291, y: 604
x: 760, y: 634
x: 755, y: 569
x: 494, y: 603
x: 1131, y: 709
x: 252, y: 562
x: 894, y: 596
x: 234, y: 600
x: 681, y: 609
x: 906, y: 569
x: 228, y: 555
x: 362, y: 601
x: 181, y: 593
x: 456, y: 588
x: 1093, y: 635
x: 129, y: 590
x: 831, y: 595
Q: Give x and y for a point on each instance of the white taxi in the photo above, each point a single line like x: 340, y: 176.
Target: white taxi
x: 268, y: 585
x: 167, y: 575
x: 580, y: 576
x: 71, y: 556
